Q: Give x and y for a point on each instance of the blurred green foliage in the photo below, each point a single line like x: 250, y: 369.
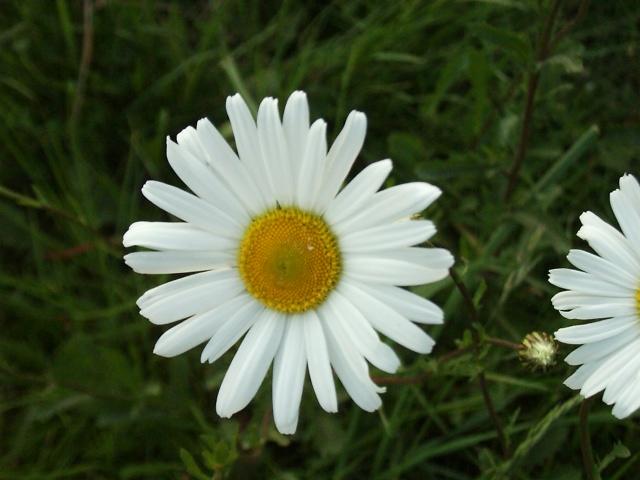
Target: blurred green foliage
x: 88, y: 93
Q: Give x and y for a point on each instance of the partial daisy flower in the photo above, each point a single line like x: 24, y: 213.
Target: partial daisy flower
x: 606, y: 286
x: 306, y: 272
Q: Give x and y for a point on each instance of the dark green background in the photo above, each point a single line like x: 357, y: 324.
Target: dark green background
x: 443, y: 84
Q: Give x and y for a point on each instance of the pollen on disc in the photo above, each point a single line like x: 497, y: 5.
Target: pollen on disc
x: 289, y: 260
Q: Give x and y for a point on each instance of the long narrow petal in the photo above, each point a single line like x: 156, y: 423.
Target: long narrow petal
x: 231, y: 331
x: 609, y: 369
x: 341, y: 156
x: 201, y: 179
x: 628, y: 218
x: 174, y: 236
x: 390, y: 205
x: 600, y: 349
x: 229, y: 167
x: 595, y: 331
x: 586, y: 283
x: 358, y: 192
x: 388, y: 237
x: 386, y: 320
x: 602, y: 269
x: 312, y: 165
x: 195, y: 300
x: 289, y: 370
x: 197, y: 329
x: 169, y: 261
x: 275, y: 152
x: 250, y: 364
x: 406, y: 303
x: 409, y: 266
x: 608, y: 242
x: 245, y: 133
x: 319, y: 365
x: 295, y: 122
x: 191, y: 209
x: 350, y: 367
x: 347, y: 321
x: 183, y: 284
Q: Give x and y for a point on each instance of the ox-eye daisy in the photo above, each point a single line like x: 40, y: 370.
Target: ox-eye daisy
x: 607, y: 286
x: 309, y: 272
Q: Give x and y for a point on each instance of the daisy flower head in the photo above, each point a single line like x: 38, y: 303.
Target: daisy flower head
x: 605, y: 290
x: 309, y: 273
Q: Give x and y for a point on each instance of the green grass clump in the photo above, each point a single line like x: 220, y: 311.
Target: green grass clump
x: 88, y: 93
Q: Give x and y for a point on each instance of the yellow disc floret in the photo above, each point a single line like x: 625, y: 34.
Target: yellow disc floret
x: 289, y: 260
x: 638, y: 301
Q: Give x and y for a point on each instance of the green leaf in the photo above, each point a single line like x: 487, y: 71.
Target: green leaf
x: 191, y: 465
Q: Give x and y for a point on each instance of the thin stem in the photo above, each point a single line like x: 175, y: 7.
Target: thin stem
x: 85, y: 61
x: 532, y: 86
x: 466, y: 296
x: 473, y: 312
x: 499, y: 342
x: 582, y: 12
x: 585, y: 440
x: 497, y: 423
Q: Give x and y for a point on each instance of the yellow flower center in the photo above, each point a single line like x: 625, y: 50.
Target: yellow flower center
x: 638, y: 301
x: 289, y: 260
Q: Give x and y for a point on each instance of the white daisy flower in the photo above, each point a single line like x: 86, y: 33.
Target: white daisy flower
x: 306, y: 272
x: 606, y: 286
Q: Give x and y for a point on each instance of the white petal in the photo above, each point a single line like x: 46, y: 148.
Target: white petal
x: 347, y: 321
x: 628, y: 218
x: 601, y: 268
x: 194, y: 300
x: 197, y: 329
x: 569, y: 299
x: 386, y: 320
x: 200, y: 178
x: 577, y: 379
x: 586, y: 283
x: 621, y: 308
x: 609, y: 368
x: 358, y: 192
x: 390, y: 205
x: 319, y: 366
x: 341, y: 156
x: 595, y: 331
x: 174, y: 236
x: 183, y: 284
x: 250, y: 364
x: 621, y: 378
x: 350, y: 367
x: 629, y: 400
x: 231, y: 331
x: 295, y: 122
x: 228, y: 166
x: 408, y: 266
x: 191, y: 209
x: 289, y: 370
x: 406, y: 303
x: 169, y: 261
x: 597, y: 350
x: 388, y: 237
x: 312, y: 165
x: 275, y: 152
x: 608, y: 242
x: 631, y: 189
x: 245, y: 133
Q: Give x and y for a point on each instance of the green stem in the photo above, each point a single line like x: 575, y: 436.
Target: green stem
x: 585, y: 440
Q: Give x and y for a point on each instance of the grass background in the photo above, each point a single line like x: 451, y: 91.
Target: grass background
x: 89, y: 91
